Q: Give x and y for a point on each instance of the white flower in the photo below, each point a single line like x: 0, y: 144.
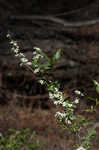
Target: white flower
x: 58, y: 94
x: 34, y: 53
x: 21, y: 55
x: 77, y: 92
x: 56, y: 89
x: 81, y: 148
x: 8, y: 35
x: 16, y: 55
x: 59, y: 114
x: 11, y: 42
x: 76, y: 101
x: 13, y: 49
x: 67, y: 121
x: 37, y: 56
x: 15, y: 43
x: 41, y: 81
x: 24, y: 60
x: 57, y: 102
x: 64, y: 104
x: 37, y: 49
x: 29, y: 63
x: 36, y: 70
x: 21, y: 64
x: 16, y: 50
x: 70, y: 105
x: 51, y: 96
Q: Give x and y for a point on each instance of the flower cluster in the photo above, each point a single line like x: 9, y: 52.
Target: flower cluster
x: 37, y: 54
x: 16, y: 50
x: 60, y: 99
x: 81, y: 148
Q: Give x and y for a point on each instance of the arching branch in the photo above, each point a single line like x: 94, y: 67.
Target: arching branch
x: 57, y: 20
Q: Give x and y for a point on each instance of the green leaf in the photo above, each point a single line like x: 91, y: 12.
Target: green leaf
x: 47, y: 66
x: 57, y: 55
x: 92, y: 133
x: 96, y: 85
x: 84, y: 138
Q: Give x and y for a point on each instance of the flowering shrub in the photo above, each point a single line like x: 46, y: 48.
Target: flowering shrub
x: 42, y: 65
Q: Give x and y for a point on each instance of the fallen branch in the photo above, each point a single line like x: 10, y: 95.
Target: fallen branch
x: 57, y: 20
